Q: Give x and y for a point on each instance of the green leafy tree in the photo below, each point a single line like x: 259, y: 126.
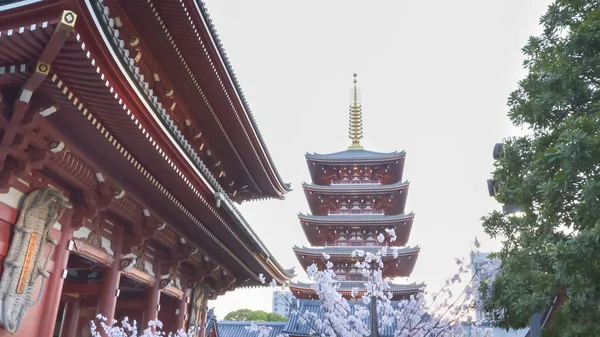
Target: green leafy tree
x: 254, y: 316
x: 552, y: 250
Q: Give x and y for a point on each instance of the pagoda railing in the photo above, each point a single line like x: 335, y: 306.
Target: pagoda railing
x: 352, y: 182
x: 355, y: 212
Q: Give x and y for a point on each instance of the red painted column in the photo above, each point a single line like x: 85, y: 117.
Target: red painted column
x: 180, y: 318
x: 55, y: 282
x: 70, y: 319
x: 203, y: 317
x: 153, y: 296
x: 107, y: 301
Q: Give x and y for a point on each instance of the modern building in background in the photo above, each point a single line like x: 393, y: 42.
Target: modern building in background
x: 282, y: 302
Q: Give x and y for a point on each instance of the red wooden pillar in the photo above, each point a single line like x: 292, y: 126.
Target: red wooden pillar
x: 182, y: 310
x: 107, y: 301
x: 153, y: 296
x: 203, y: 317
x: 70, y: 319
x: 55, y: 282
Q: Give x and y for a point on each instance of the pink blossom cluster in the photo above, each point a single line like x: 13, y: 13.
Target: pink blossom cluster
x: 127, y: 328
x: 441, y: 314
x: 262, y: 331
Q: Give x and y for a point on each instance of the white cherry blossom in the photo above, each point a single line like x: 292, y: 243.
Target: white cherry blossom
x: 441, y: 314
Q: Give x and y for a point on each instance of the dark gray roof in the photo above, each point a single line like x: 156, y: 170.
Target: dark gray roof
x: 348, y: 285
x: 354, y: 187
x: 347, y: 250
x: 296, y: 325
x: 360, y: 155
x: 211, y: 319
x: 215, y: 36
x: 355, y: 218
x: 238, y: 329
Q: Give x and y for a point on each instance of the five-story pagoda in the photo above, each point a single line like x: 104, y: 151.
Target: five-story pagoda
x: 355, y: 195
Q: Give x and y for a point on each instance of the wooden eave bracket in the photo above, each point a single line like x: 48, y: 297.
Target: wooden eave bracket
x: 42, y: 69
x: 62, y: 31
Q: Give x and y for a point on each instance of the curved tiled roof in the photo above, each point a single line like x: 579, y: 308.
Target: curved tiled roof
x: 371, y: 219
x: 348, y: 285
x: 237, y: 86
x: 356, y: 155
x: 298, y: 326
x: 239, y: 328
x: 178, y: 136
x: 211, y: 320
x: 347, y: 250
x: 355, y: 187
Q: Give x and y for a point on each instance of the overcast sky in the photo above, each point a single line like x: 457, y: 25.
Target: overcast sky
x: 434, y: 75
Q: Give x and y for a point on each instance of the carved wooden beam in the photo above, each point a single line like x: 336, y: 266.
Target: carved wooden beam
x: 81, y: 288
x: 141, y: 232
x: 42, y: 68
x: 16, y: 136
x: 226, y: 284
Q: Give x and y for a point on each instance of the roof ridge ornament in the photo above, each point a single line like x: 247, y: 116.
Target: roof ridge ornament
x: 355, y: 122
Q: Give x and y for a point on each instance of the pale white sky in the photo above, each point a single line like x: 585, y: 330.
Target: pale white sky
x: 435, y: 76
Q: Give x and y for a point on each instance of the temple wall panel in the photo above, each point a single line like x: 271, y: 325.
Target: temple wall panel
x: 148, y: 261
x: 99, y: 241
x: 12, y: 198
x: 149, y: 268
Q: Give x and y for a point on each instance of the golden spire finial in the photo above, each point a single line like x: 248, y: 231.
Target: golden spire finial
x: 355, y: 119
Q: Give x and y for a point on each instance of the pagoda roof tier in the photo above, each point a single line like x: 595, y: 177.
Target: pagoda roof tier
x: 355, y: 165
x: 403, y: 266
x: 356, y: 156
x: 354, y: 219
x: 356, y: 198
x: 103, y: 110
x: 320, y: 230
x: 304, y: 291
x: 344, y: 252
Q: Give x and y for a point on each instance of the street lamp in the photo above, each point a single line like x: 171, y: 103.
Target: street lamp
x: 492, y: 185
x: 535, y: 326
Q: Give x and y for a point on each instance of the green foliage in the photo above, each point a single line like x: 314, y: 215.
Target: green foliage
x: 553, y: 249
x: 254, y: 316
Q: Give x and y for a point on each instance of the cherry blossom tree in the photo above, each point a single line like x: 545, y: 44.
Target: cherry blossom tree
x: 440, y: 314
x: 126, y: 328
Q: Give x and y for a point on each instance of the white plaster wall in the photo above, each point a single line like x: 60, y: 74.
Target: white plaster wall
x: 13, y: 197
